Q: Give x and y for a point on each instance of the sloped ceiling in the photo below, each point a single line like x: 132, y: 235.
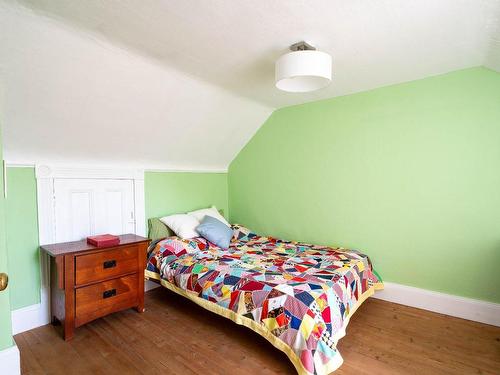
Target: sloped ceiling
x: 70, y: 98
x: 185, y: 83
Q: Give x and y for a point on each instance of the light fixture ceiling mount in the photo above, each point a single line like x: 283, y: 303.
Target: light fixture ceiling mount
x: 302, y: 46
x: 304, y: 69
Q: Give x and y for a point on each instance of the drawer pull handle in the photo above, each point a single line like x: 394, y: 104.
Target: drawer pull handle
x: 109, y: 293
x: 109, y: 264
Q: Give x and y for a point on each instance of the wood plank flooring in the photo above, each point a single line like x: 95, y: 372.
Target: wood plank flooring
x: 175, y: 336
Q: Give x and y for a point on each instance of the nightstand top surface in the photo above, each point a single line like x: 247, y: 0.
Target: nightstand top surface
x: 64, y: 248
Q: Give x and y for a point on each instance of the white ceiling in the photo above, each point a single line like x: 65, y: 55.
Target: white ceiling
x: 185, y: 83
x: 234, y: 43
x: 68, y: 98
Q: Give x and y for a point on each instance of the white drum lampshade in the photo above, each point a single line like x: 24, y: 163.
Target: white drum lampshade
x: 303, y: 71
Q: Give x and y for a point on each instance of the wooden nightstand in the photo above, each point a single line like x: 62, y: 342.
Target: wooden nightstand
x: 87, y: 282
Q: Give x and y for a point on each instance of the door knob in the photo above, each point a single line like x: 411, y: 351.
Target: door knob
x: 4, y: 281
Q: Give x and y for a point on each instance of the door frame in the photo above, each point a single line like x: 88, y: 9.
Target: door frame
x: 45, y: 175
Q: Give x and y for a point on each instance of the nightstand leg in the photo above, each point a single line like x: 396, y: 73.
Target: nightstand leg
x: 140, y: 298
x: 143, y: 248
x: 69, y: 330
x: 69, y: 296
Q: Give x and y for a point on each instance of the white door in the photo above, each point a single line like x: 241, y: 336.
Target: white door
x: 86, y: 207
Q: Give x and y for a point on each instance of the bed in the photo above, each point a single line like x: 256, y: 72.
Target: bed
x: 298, y: 296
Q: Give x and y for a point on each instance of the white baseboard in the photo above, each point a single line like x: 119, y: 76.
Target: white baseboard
x: 148, y: 285
x: 9, y: 361
x: 461, y: 307
x: 28, y: 317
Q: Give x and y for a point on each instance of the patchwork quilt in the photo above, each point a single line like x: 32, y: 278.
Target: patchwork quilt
x: 298, y: 296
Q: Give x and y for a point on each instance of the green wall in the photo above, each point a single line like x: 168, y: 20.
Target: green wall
x: 409, y: 174
x: 5, y: 322
x: 22, y: 237
x: 170, y: 193
x: 165, y: 193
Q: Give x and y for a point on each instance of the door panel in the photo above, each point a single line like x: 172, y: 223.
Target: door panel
x: 80, y: 213
x: 85, y: 207
x: 5, y: 316
x: 114, y: 211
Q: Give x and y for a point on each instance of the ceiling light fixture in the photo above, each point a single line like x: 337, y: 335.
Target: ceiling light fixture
x: 304, y: 69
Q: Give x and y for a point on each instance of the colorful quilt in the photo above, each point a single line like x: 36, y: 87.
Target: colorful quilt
x: 298, y: 296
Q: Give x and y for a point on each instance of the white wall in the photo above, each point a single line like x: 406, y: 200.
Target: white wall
x: 70, y: 97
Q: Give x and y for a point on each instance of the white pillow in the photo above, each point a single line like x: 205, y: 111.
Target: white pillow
x: 212, y: 211
x: 183, y: 225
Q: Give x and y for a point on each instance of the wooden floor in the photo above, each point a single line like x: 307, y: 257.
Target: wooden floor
x: 175, y: 336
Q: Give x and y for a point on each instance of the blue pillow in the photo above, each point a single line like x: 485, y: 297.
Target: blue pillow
x: 215, y: 231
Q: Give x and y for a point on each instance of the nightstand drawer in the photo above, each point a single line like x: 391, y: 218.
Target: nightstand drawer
x: 103, y: 298
x: 103, y: 265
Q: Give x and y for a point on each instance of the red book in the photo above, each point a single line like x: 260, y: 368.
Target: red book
x: 104, y: 240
